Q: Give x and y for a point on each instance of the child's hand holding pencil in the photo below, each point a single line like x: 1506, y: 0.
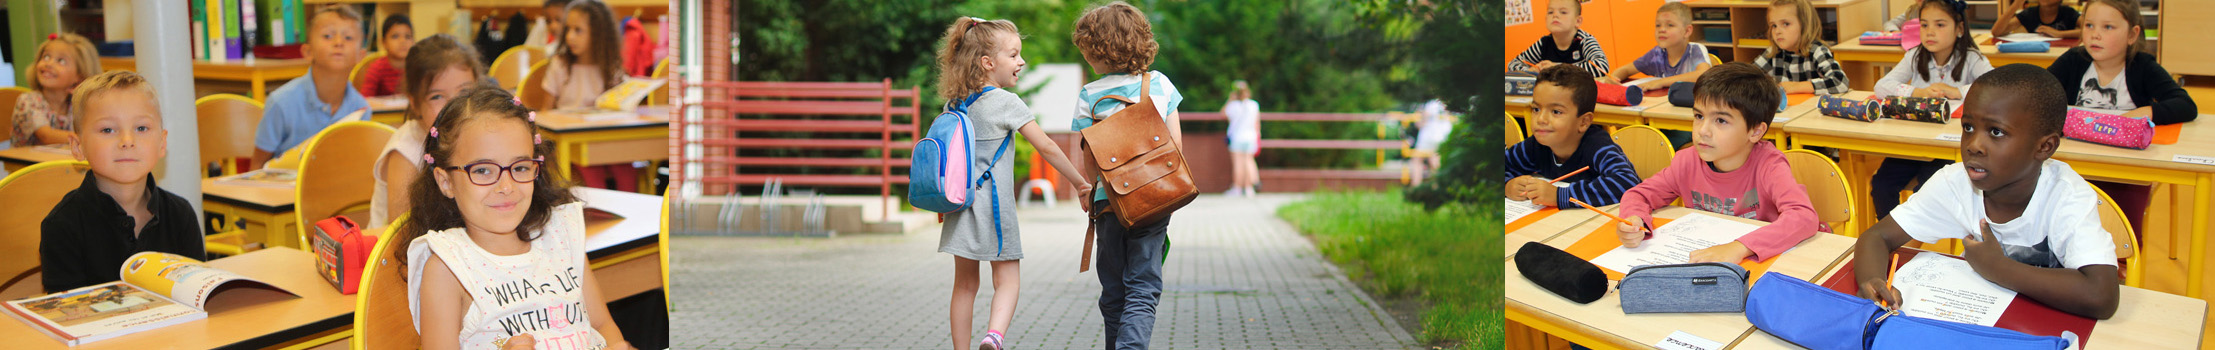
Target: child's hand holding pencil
x: 1632, y: 230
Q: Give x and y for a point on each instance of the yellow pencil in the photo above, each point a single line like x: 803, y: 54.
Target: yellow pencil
x: 1890, y: 272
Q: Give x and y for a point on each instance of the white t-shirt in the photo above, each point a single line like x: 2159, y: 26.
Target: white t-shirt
x: 2060, y: 229
x: 408, y: 140
x: 2101, y: 96
x: 1245, y: 120
x: 541, y: 292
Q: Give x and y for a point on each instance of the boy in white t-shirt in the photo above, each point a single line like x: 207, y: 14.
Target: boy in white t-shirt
x: 2042, y: 215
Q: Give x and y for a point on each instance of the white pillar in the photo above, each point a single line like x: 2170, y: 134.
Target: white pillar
x: 160, y: 35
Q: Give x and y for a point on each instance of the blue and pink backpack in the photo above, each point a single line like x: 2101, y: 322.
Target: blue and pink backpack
x: 940, y: 175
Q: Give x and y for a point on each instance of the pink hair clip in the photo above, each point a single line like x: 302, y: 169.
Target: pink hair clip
x: 427, y: 159
x: 534, y: 116
x: 518, y: 100
x: 434, y: 132
x: 535, y: 140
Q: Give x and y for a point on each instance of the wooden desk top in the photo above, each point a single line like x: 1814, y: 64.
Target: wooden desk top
x: 1672, y: 112
x: 2198, y: 139
x: 266, y: 199
x: 1604, y: 319
x: 2145, y: 319
x: 239, y: 318
x: 34, y: 155
x: 1550, y: 226
x: 202, y: 68
x: 568, y: 121
x: 1853, y: 45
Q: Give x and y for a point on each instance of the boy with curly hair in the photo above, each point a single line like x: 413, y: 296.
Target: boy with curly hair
x: 1118, y: 43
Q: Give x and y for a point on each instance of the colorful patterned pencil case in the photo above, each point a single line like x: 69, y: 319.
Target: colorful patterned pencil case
x: 2108, y: 129
x: 1921, y: 109
x: 1843, y: 108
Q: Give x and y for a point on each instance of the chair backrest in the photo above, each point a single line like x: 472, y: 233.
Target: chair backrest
x: 1712, y: 60
x: 1647, y: 149
x: 30, y: 193
x: 530, y: 92
x: 508, y: 69
x: 227, y: 124
x: 2118, y: 227
x: 7, y: 96
x: 1514, y: 130
x: 381, y: 318
x: 335, y: 172
x: 355, y: 77
x: 660, y: 95
x: 1827, y: 187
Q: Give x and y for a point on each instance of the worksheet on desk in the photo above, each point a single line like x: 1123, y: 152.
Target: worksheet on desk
x: 1674, y: 243
x: 1516, y: 209
x: 1941, y: 287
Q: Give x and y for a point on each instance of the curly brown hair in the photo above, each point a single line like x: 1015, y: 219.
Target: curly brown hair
x: 432, y: 210
x: 606, y: 51
x: 969, y: 38
x: 1118, y: 36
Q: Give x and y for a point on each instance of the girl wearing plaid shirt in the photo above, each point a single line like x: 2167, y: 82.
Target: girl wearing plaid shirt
x: 1797, y: 57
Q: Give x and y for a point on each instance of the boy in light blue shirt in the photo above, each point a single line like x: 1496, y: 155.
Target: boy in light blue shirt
x: 304, y: 106
x: 1118, y: 42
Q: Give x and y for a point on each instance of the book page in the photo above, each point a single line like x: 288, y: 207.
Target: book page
x: 626, y: 96
x: 1674, y: 243
x: 1939, y: 287
x: 98, y: 310
x: 1516, y: 209
x: 180, y: 278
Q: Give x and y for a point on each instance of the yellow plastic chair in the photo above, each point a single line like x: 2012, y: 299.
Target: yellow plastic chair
x: 8, y: 96
x: 531, y: 93
x: 1647, y: 149
x: 381, y: 318
x: 2126, y: 238
x: 355, y: 77
x: 661, y: 95
x: 335, y: 173
x: 1827, y: 188
x: 227, y: 124
x: 30, y: 193
x: 1514, y: 130
x: 510, y: 67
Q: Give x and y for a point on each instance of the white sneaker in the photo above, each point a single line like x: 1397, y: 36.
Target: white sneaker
x: 1251, y: 190
x: 1233, y: 192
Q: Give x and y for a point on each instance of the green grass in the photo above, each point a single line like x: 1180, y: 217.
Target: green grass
x: 1449, y: 259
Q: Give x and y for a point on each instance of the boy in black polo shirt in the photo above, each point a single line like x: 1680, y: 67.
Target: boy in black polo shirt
x: 117, y: 211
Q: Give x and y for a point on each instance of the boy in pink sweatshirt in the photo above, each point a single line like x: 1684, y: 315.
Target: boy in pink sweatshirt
x: 1729, y: 170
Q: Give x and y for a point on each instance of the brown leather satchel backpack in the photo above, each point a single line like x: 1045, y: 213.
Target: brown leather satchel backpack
x: 1141, y: 164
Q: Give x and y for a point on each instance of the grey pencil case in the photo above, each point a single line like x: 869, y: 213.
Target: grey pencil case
x: 1680, y: 288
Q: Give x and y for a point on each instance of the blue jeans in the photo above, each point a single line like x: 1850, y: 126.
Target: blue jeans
x: 1130, y: 278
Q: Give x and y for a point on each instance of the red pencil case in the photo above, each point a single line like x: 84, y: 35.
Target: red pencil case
x: 2108, y: 129
x: 1621, y: 95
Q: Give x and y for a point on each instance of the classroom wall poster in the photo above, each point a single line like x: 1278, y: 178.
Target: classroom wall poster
x: 1518, y: 12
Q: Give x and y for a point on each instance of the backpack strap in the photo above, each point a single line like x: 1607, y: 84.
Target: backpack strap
x: 1143, y: 81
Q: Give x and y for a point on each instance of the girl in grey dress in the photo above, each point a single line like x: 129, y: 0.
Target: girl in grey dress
x: 977, y: 54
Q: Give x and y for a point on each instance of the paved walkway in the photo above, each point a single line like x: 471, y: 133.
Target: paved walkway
x: 1237, y: 278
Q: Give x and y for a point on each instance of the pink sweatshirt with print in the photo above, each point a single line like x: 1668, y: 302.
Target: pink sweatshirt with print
x: 1762, y: 189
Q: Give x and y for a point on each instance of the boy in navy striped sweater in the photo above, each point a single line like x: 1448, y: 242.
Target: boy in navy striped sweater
x: 1564, y: 140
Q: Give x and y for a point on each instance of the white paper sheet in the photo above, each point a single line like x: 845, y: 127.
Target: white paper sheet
x: 1674, y: 243
x: 2018, y: 37
x: 1516, y: 209
x: 1639, y: 81
x: 1680, y: 340
x: 1945, y: 288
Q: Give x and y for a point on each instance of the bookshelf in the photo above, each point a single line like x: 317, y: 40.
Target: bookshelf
x: 1748, y: 25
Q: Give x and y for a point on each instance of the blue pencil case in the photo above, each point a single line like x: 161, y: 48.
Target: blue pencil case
x: 2025, y: 46
x: 1818, y: 318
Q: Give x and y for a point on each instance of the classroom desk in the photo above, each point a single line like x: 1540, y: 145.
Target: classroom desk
x: 1670, y: 117
x: 603, y: 138
x: 1602, y: 323
x: 1603, y: 114
x: 2144, y: 319
x: 21, y: 157
x: 266, y: 212
x: 237, y: 319
x: 388, y: 110
x: 1862, y: 62
x: 1552, y: 225
x: 2158, y: 164
x: 257, y: 73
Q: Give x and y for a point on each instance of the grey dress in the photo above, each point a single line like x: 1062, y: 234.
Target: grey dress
x: 968, y: 233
